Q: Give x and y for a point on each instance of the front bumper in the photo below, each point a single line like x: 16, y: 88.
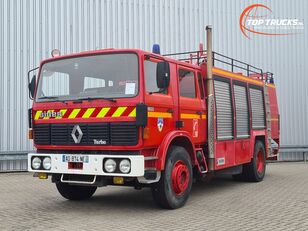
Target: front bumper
x: 93, y: 167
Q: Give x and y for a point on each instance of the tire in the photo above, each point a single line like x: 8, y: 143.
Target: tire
x: 174, y: 186
x: 75, y: 192
x: 255, y: 170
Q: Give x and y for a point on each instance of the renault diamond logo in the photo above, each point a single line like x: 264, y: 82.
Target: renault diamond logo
x: 77, y: 134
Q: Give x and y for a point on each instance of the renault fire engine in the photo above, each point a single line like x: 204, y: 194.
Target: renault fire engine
x: 136, y: 118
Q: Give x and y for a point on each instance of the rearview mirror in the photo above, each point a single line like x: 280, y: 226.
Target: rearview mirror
x: 163, y: 75
x: 32, y: 86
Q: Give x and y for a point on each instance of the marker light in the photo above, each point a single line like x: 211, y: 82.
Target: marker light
x: 30, y: 134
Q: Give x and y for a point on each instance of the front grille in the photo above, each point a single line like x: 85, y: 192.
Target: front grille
x: 125, y: 133
x: 42, y: 133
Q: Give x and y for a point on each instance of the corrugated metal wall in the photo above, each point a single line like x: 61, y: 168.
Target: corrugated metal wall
x: 29, y: 30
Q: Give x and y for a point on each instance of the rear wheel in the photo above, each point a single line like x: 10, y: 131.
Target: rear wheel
x: 255, y: 170
x: 174, y: 186
x: 75, y: 192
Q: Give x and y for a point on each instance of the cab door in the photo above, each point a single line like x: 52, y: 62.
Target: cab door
x: 190, y: 106
x: 161, y: 113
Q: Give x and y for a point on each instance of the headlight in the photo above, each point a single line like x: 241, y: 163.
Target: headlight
x: 110, y: 165
x: 125, y: 166
x: 47, y: 163
x: 36, y: 163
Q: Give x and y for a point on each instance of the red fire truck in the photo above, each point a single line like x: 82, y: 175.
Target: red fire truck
x: 141, y: 119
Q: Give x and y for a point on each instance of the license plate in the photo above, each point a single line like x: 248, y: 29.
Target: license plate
x: 75, y: 158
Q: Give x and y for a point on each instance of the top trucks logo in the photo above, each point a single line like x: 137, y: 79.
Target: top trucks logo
x: 257, y: 19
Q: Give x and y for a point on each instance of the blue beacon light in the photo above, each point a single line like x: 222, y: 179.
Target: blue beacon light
x: 156, y: 49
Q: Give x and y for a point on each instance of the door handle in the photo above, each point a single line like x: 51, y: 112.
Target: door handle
x: 199, y: 113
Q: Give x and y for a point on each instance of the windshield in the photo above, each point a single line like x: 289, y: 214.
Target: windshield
x: 106, y: 76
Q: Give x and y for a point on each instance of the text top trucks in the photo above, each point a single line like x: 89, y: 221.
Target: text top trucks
x: 131, y: 117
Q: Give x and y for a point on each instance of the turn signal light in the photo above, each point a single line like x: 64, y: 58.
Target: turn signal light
x: 146, y: 133
x: 30, y: 134
x: 42, y: 176
x: 118, y: 180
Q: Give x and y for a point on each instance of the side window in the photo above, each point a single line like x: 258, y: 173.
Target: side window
x: 200, y: 82
x: 150, y: 77
x: 241, y: 110
x: 224, y: 110
x: 187, y: 83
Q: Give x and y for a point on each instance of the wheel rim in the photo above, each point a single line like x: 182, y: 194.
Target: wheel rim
x: 180, y: 177
x: 260, y: 162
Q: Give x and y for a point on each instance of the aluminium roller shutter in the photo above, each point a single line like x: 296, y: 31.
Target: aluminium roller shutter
x: 224, y: 114
x: 241, y: 111
x: 257, y: 108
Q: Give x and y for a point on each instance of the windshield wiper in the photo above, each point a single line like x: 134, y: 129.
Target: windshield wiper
x: 48, y: 97
x: 53, y: 99
x: 93, y: 98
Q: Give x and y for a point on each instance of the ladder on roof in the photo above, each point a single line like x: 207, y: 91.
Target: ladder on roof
x: 268, y: 122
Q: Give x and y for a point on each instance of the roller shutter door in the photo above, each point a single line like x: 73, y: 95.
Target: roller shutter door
x: 224, y: 114
x: 257, y: 108
x: 241, y: 111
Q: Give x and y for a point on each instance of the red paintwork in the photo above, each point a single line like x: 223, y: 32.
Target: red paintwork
x: 274, y: 114
x: 260, y: 162
x: 162, y: 150
x: 180, y: 177
x: 235, y: 152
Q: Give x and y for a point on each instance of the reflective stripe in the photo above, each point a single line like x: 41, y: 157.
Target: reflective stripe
x: 88, y: 113
x: 189, y: 116
x: 159, y: 114
x: 203, y: 116
x: 91, y: 113
x: 47, y: 117
x: 74, y: 113
x: 133, y: 113
x: 103, y: 112
x: 119, y: 112
x: 63, y: 111
x: 37, y: 115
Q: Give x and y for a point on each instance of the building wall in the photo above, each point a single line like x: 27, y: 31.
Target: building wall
x: 30, y: 29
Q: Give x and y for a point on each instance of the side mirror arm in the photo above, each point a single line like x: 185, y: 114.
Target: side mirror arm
x: 29, y: 72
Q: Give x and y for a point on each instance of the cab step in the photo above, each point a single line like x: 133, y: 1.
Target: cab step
x: 201, y: 161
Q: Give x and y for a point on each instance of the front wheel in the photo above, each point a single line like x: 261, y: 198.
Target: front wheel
x: 174, y: 186
x: 75, y: 192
